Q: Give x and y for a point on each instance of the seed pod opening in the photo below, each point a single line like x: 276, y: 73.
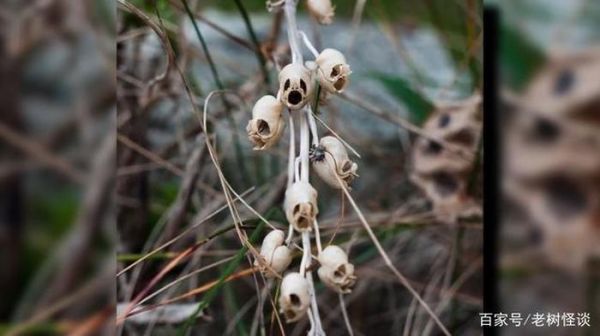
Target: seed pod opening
x: 334, y: 72
x: 294, y: 299
x: 334, y: 161
x: 321, y: 10
x: 335, y: 271
x: 274, y: 254
x: 295, y: 86
x: 267, y: 124
x: 301, y: 206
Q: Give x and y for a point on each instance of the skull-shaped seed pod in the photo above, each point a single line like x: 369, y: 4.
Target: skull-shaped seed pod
x: 294, y: 299
x: 332, y: 159
x: 300, y: 206
x: 333, y: 72
x: 556, y: 124
x: 276, y: 255
x: 441, y: 173
x: 551, y: 163
x: 267, y: 123
x: 568, y: 86
x: 321, y: 10
x: 335, y: 271
x: 564, y: 212
x: 295, y: 86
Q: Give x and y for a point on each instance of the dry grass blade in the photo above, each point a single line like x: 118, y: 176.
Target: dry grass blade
x: 156, y: 278
x: 150, y: 155
x: 39, y: 153
x: 182, y: 234
x: 164, y: 40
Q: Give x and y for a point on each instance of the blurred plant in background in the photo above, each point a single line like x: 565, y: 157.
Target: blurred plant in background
x: 550, y: 237
x: 57, y: 170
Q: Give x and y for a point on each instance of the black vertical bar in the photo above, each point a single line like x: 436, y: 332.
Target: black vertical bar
x: 491, y: 164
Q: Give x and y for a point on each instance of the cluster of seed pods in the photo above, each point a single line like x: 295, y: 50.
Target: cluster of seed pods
x: 298, y: 83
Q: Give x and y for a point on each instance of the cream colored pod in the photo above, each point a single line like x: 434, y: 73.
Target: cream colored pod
x: 295, y: 297
x: 267, y: 124
x: 322, y: 10
x: 334, y: 161
x: 274, y: 254
x: 300, y: 206
x: 335, y: 271
x: 333, y: 72
x: 295, y: 86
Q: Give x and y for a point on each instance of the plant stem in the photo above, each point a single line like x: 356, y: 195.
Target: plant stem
x: 210, y: 295
x: 238, y: 148
x: 261, y: 59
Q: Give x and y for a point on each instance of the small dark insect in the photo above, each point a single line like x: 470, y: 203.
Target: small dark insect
x: 564, y: 82
x: 444, y: 121
x: 316, y: 153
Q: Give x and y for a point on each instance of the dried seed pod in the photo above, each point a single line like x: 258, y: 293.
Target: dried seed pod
x: 568, y: 86
x: 335, y: 271
x: 333, y: 72
x: 295, y: 86
x: 267, y: 124
x: 294, y: 299
x: 301, y: 206
x: 441, y: 173
x: 551, y: 167
x: 321, y: 10
x: 274, y: 254
x: 335, y: 161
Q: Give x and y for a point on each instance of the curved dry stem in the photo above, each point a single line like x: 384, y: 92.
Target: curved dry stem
x: 345, y: 314
x: 387, y: 260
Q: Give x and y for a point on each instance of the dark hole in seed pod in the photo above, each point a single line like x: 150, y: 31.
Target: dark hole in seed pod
x: 335, y: 71
x: 286, y: 85
x: 545, y: 130
x: 339, y: 84
x: 444, y: 120
x: 296, y: 208
x: 303, y: 222
x: 295, y: 300
x: 295, y: 97
x: 463, y: 137
x: 432, y: 147
x: 445, y: 184
x: 564, y: 197
x: 303, y: 86
x: 338, y: 273
x: 564, y: 82
x: 347, y: 165
x: 263, y: 127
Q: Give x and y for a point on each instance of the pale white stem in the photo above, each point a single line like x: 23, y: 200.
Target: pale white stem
x: 308, y: 44
x: 290, y: 235
x: 317, y: 236
x: 345, y: 314
x: 290, y: 179
x: 297, y: 172
x: 317, y: 327
x: 292, y: 30
x: 291, y: 152
x: 304, y: 148
x: 313, y: 126
x: 305, y: 262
